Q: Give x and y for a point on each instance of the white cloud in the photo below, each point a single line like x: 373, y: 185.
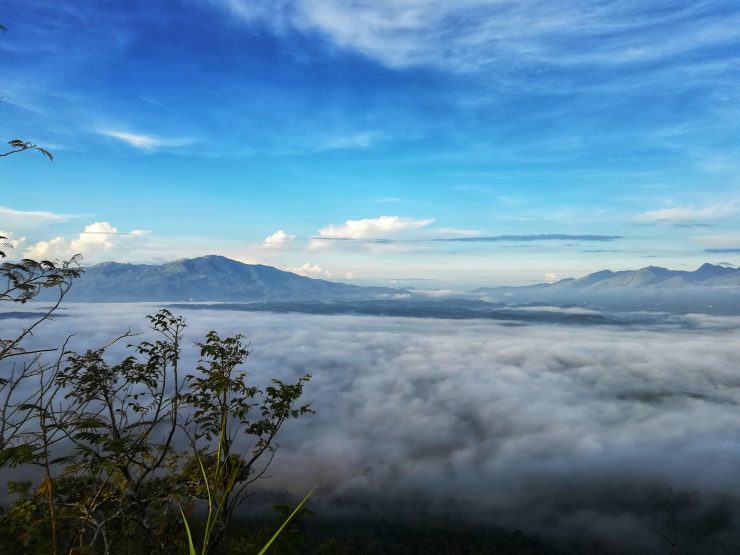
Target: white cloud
x: 99, y: 238
x: 143, y: 141
x: 11, y: 244
x: 719, y: 240
x: 475, y: 34
x: 277, y: 240
x: 372, y: 228
x: 48, y: 250
x: 310, y: 270
x: 384, y: 235
x: 683, y: 213
x: 139, y: 232
x: 26, y: 219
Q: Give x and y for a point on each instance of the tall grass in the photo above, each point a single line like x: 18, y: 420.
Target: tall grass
x: 215, y: 508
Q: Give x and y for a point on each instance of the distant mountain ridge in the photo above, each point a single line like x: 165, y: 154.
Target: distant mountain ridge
x: 212, y: 279
x: 710, y: 288
x: 707, y: 275
x: 208, y: 278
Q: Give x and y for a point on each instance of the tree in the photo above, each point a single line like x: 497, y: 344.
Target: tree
x: 224, y: 408
x: 18, y: 145
x: 20, y: 442
x: 111, y: 431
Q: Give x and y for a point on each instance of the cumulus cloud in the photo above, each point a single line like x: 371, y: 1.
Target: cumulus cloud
x: 96, y: 240
x: 582, y: 431
x: 144, y: 141
x: 277, y: 240
x: 372, y: 228
x: 11, y: 244
x: 310, y: 270
x: 678, y: 213
x: 381, y: 235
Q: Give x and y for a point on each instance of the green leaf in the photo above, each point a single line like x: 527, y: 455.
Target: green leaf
x: 16, y: 456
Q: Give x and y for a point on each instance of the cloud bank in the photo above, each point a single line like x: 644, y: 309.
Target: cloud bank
x: 99, y: 239
x: 592, y: 432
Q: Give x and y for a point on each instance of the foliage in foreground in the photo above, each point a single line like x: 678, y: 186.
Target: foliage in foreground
x: 128, y: 448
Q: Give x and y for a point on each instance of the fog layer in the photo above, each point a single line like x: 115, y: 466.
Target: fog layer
x: 628, y: 435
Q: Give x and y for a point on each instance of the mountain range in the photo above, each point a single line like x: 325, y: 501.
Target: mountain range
x: 208, y: 278
x: 710, y: 288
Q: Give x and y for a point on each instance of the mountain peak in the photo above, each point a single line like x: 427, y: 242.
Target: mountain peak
x: 209, y: 278
x: 706, y: 271
x: 706, y: 267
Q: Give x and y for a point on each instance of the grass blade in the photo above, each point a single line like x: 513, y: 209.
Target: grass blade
x: 287, y: 520
x: 191, y: 547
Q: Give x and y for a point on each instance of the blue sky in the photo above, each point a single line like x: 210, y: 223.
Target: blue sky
x: 466, y: 143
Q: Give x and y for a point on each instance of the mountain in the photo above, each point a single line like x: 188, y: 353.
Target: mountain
x: 209, y: 278
x: 710, y: 288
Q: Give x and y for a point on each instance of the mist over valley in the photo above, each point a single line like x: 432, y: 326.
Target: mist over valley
x: 585, y: 431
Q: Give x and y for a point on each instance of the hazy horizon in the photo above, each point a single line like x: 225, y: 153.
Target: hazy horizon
x: 421, y: 283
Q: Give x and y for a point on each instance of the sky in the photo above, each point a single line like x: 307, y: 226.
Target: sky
x: 467, y: 143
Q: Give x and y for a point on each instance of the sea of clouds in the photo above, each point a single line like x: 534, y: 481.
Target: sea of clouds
x: 627, y: 434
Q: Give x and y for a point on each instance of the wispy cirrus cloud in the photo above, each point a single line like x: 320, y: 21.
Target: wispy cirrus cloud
x: 530, y: 238
x: 693, y: 225
x: 353, y: 141
x: 475, y: 34
x: 712, y: 211
x: 146, y: 142
x: 29, y: 219
x: 481, y: 238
